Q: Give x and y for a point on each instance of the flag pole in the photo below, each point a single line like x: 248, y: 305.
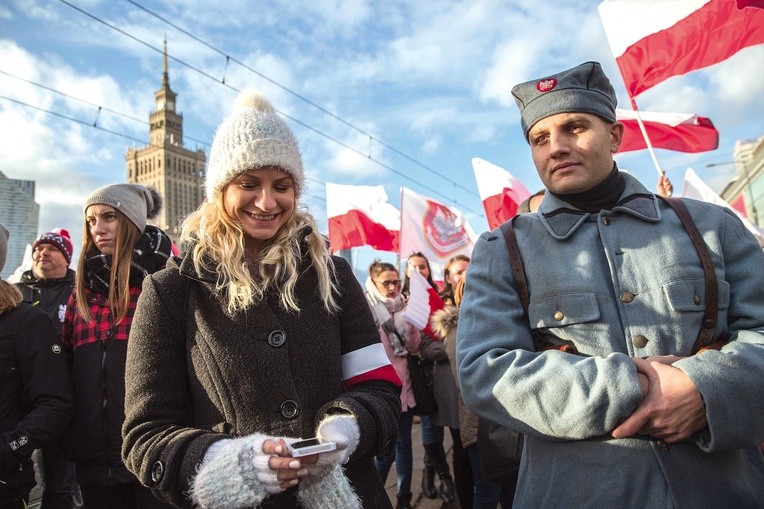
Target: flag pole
x: 400, y: 237
x: 661, y: 173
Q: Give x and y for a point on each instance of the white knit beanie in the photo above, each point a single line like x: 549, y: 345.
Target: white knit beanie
x: 253, y: 136
x: 135, y: 201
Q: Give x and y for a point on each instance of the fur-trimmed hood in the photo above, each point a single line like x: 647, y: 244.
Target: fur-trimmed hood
x: 445, y: 321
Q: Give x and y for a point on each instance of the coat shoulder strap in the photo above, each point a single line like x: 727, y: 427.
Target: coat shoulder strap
x: 706, y: 334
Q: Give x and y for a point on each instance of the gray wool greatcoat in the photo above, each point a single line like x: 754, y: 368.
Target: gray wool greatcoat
x: 196, y: 375
x: 619, y: 284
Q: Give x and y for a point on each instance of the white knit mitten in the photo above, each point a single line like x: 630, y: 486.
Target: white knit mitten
x: 235, y: 473
x: 341, y: 429
x: 328, y: 488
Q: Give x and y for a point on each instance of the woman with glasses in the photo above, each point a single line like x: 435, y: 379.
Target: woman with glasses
x: 383, y: 291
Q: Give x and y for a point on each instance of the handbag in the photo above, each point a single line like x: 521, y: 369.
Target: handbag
x: 500, y: 450
x: 420, y: 375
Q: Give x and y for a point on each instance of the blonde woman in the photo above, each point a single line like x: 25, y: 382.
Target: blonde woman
x: 35, y: 392
x: 256, y: 338
x: 118, y: 251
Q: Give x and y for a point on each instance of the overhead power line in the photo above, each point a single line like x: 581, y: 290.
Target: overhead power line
x: 294, y: 119
x: 297, y: 95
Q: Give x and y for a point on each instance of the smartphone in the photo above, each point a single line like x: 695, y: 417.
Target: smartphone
x: 309, y: 446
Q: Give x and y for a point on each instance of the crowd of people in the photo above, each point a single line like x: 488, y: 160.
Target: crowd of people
x: 620, y: 331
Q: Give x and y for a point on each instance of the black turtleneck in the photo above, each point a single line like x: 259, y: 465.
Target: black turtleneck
x: 603, y: 196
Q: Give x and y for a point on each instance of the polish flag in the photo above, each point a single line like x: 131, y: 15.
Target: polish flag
x: 695, y: 188
x: 653, y: 40
x: 499, y: 190
x: 423, y: 302
x: 683, y: 132
x: 361, y: 216
x: 437, y: 231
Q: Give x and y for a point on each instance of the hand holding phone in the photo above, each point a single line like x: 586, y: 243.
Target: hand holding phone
x: 309, y: 446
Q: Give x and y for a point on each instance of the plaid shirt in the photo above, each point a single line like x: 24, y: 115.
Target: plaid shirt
x: 77, y: 332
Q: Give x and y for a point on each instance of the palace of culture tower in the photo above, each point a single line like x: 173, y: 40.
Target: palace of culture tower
x: 173, y: 170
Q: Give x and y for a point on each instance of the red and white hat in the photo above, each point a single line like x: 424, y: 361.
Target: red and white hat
x: 59, y: 238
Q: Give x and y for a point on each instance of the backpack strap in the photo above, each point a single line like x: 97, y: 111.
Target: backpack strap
x: 518, y: 274
x: 706, y: 334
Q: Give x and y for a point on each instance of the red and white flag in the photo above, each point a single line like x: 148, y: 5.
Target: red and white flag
x: 423, y: 302
x: 500, y: 192
x: 361, y: 216
x: 653, y: 40
x: 695, y: 188
x: 684, y: 132
x: 437, y: 231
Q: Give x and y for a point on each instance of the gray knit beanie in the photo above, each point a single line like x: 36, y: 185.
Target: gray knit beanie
x: 253, y: 136
x: 135, y: 201
x: 4, y: 234
x: 582, y: 89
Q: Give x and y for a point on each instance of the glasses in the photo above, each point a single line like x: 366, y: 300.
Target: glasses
x: 390, y: 284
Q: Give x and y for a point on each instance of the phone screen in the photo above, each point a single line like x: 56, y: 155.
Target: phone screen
x: 305, y: 443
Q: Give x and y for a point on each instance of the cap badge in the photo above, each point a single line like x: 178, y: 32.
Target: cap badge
x: 546, y: 85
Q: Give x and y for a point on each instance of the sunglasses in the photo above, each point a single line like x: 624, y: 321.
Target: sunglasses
x: 389, y: 284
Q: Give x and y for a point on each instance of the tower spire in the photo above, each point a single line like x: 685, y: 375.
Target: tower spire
x: 165, y: 75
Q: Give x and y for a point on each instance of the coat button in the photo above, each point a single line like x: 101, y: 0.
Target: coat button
x: 606, y: 221
x: 289, y: 409
x: 696, y: 300
x: 559, y: 316
x: 639, y: 341
x: 277, y: 338
x: 627, y: 297
x: 157, y: 471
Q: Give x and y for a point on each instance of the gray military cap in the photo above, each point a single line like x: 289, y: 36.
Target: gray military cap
x: 582, y: 89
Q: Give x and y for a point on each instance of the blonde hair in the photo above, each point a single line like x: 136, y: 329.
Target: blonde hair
x: 119, y: 275
x: 218, y: 247
x: 10, y: 296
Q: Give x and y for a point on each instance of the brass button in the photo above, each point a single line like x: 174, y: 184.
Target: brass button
x: 606, y: 221
x: 627, y: 297
x: 639, y: 341
x: 696, y: 300
x: 559, y: 316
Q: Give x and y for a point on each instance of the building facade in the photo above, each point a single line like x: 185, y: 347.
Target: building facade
x: 20, y: 213
x: 165, y: 164
x: 745, y: 192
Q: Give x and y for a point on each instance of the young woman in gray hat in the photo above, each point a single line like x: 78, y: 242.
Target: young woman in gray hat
x: 257, y: 338
x: 119, y: 250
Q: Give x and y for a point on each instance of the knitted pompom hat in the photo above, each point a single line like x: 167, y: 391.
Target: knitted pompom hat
x: 135, y: 201
x: 58, y: 238
x: 252, y: 136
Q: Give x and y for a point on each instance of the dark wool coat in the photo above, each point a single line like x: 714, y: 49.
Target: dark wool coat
x: 196, y: 375
x: 35, y: 394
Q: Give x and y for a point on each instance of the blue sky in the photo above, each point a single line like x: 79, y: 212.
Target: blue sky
x: 428, y: 81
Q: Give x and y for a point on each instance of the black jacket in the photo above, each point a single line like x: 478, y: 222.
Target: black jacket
x: 49, y: 294
x: 35, y: 393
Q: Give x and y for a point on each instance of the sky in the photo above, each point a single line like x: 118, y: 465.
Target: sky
x: 388, y: 93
